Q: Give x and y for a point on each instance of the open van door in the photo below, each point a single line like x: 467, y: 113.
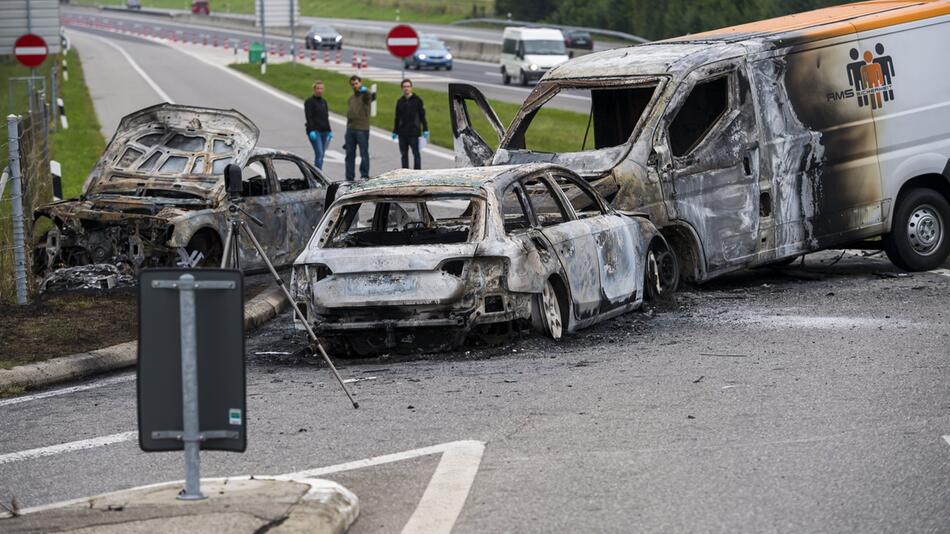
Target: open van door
x: 471, y: 148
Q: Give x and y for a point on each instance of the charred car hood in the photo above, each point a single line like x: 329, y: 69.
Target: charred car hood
x: 126, y: 208
x: 386, y: 259
x: 169, y: 147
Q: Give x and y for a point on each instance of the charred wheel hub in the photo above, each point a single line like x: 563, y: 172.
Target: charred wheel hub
x: 925, y: 229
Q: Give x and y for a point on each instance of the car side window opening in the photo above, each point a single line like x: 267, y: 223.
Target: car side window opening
x: 584, y: 203
x: 254, y: 180
x: 609, y: 121
x: 514, y: 211
x: 509, y: 46
x: 406, y: 221
x: 547, y: 207
x: 290, y: 175
x: 707, y: 101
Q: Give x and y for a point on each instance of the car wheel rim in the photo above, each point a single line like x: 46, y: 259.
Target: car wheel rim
x: 552, y: 311
x: 925, y: 230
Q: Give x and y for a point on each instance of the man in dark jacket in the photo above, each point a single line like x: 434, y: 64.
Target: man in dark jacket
x: 357, y: 128
x: 318, y: 123
x: 410, y: 123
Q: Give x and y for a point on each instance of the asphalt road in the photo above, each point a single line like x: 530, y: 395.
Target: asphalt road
x: 484, y: 75
x: 809, y: 399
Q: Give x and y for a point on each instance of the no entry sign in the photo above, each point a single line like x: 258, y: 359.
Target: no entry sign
x: 402, y: 41
x: 30, y: 50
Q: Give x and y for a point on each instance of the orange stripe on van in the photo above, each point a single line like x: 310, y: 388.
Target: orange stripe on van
x: 832, y: 21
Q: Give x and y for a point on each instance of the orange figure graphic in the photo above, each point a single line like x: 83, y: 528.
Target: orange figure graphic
x: 873, y: 78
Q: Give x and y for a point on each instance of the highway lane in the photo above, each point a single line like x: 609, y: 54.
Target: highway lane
x: 184, y: 78
x: 484, y: 75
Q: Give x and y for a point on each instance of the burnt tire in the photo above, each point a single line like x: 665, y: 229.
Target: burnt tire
x: 210, y: 247
x: 662, y: 274
x: 523, y: 79
x: 918, y: 240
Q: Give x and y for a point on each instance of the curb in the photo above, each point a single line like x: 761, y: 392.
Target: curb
x: 257, y: 311
x: 321, y: 506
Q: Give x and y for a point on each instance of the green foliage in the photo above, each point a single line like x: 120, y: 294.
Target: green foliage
x: 555, y: 130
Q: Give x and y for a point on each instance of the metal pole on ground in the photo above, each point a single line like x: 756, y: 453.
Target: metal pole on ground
x: 293, y: 34
x: 54, y: 88
x: 189, y: 388
x: 16, y: 201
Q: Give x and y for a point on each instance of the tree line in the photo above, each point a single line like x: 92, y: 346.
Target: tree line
x: 654, y: 19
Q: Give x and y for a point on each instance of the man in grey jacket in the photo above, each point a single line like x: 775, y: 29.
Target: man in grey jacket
x: 357, y: 128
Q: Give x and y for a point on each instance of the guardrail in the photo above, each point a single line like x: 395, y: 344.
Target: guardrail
x: 595, y: 31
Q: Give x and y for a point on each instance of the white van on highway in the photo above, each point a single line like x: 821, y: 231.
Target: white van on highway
x: 527, y: 53
x: 758, y: 143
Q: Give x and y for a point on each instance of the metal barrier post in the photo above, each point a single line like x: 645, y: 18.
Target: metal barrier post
x: 16, y: 200
x: 53, y: 95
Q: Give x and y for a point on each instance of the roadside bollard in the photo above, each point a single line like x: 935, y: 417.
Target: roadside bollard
x: 364, y: 64
x: 339, y: 56
x: 326, y: 56
x: 65, y: 70
x: 56, y: 172
x: 355, y: 62
x: 63, y: 121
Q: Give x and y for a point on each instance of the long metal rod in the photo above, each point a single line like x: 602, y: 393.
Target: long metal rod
x: 300, y: 315
x: 189, y: 388
x: 293, y: 33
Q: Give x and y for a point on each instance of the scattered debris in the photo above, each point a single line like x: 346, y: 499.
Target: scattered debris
x: 93, y: 276
x: 887, y: 274
x: 360, y: 379
x: 700, y: 379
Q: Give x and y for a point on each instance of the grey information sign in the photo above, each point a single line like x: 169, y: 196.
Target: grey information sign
x: 218, y: 331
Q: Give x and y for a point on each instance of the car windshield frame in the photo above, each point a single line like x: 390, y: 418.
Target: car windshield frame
x: 548, y: 89
x: 328, y: 231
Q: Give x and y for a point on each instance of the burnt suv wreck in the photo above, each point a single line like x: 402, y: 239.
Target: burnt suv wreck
x: 419, y: 260
x: 157, y: 196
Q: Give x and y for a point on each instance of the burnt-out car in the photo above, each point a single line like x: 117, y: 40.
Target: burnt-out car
x: 419, y: 260
x: 157, y: 196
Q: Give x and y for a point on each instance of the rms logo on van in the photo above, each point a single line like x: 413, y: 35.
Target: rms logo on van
x: 871, y: 79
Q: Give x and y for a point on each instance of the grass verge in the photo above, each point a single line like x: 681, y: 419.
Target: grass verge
x: 424, y: 11
x: 553, y: 130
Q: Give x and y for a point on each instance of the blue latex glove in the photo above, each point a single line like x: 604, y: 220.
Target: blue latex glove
x: 329, y: 137
x: 425, y: 134
x: 395, y: 135
x: 312, y: 135
x: 362, y: 88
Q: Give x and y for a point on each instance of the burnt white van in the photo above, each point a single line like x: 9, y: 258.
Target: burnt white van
x: 758, y: 143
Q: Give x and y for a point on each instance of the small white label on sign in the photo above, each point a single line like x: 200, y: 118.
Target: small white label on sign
x: 234, y: 416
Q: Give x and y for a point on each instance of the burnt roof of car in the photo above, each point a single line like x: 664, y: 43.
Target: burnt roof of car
x: 465, y: 178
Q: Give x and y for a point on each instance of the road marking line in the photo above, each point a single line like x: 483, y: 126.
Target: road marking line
x: 135, y: 66
x: 72, y: 446
x: 448, y: 489
x: 66, y: 391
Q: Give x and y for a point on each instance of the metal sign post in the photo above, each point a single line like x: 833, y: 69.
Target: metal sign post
x: 216, y: 395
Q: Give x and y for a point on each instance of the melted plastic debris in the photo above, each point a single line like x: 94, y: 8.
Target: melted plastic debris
x: 93, y: 276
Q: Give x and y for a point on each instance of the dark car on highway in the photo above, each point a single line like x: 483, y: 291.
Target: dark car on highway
x: 323, y: 36
x: 432, y: 53
x: 578, y: 39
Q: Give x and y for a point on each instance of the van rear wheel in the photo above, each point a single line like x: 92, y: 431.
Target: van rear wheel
x: 918, y: 240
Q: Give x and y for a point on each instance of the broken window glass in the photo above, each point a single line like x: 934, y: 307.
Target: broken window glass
x: 583, y: 202
x: 173, y: 165
x: 186, y: 143
x: 611, y: 115
x: 129, y: 157
x: 514, y: 211
x: 290, y: 175
x: 218, y: 165
x: 405, y: 222
x: 254, y: 179
x: 151, y: 139
x: 222, y: 146
x: 547, y: 208
x: 150, y: 163
x: 705, y: 104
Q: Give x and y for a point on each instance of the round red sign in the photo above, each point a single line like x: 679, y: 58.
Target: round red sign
x: 402, y: 41
x: 30, y: 50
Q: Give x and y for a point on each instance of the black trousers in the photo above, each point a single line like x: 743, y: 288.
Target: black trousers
x: 405, y: 143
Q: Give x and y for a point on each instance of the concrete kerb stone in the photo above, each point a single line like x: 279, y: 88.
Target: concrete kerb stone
x: 257, y: 311
x: 234, y: 504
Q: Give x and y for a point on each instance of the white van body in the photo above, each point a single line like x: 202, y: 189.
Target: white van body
x: 758, y: 143
x: 528, y: 53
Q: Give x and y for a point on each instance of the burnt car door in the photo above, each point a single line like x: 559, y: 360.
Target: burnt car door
x: 472, y: 149
x: 301, y: 191
x: 572, y: 242
x: 260, y: 201
x: 707, y: 153
x: 618, y: 249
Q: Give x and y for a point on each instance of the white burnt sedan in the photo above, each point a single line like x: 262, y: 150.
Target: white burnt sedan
x: 419, y: 260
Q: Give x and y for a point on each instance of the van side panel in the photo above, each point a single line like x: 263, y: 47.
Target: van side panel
x: 913, y: 120
x: 825, y: 85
